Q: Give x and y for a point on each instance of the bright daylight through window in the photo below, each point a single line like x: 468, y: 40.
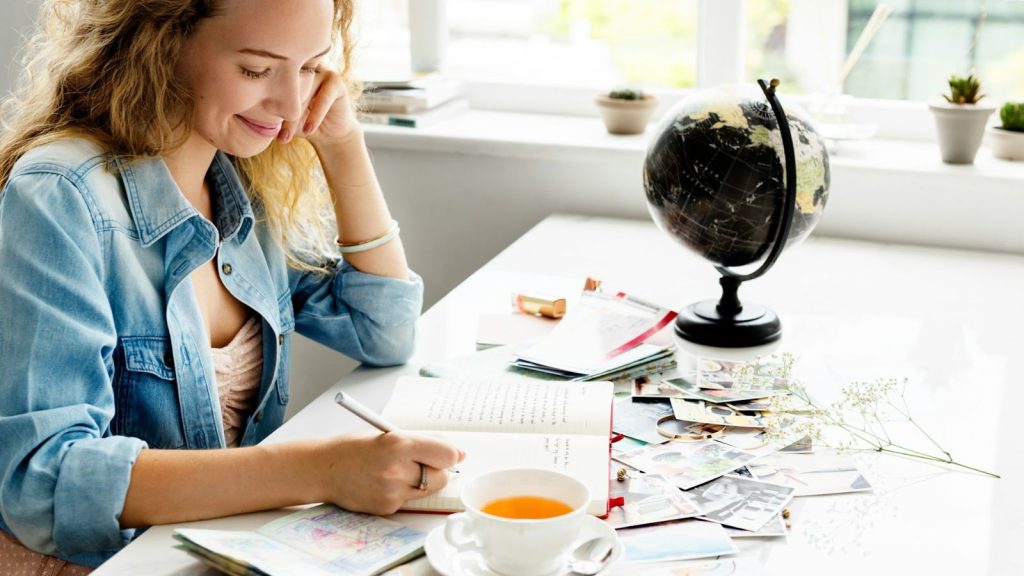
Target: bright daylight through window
x: 654, y: 43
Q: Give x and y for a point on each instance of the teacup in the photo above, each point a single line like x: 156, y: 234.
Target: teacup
x: 513, y: 542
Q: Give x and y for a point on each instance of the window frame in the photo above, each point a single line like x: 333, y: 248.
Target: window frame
x: 721, y: 59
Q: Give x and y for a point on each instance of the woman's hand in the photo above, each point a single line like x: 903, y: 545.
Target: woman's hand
x: 377, y: 473
x: 329, y: 116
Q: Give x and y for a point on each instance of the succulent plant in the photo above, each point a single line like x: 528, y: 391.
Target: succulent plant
x: 964, y: 90
x: 1012, y: 116
x: 627, y: 94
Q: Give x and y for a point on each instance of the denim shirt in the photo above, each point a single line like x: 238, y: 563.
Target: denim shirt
x: 103, y: 351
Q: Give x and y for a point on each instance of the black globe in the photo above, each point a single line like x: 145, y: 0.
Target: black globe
x: 714, y: 175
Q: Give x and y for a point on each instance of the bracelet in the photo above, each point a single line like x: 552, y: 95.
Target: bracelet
x: 370, y: 244
x: 681, y: 430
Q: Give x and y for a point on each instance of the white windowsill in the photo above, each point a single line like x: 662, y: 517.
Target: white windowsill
x: 584, y: 139
x: 882, y: 190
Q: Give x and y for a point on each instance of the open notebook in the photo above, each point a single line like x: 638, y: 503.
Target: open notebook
x: 561, y: 426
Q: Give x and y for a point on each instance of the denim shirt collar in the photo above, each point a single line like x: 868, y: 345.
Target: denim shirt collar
x: 156, y: 211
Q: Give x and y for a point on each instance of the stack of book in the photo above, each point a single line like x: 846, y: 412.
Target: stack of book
x: 414, y: 102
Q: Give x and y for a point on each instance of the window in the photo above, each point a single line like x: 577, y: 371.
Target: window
x: 910, y: 57
x: 594, y: 43
x: 552, y: 55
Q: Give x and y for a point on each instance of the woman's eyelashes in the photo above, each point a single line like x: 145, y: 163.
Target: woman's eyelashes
x: 254, y: 74
x: 257, y: 74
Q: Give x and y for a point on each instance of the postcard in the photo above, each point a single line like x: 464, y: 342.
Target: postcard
x: 700, y: 411
x: 774, y: 528
x: 740, y: 502
x: 812, y: 474
x: 654, y: 387
x: 688, y: 464
x: 601, y: 332
x: 321, y: 540
x: 639, y: 420
x: 681, y: 540
x: 723, y: 396
x: 714, y: 373
x: 648, y: 498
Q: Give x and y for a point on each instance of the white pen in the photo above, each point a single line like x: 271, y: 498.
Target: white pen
x: 369, y: 416
x: 349, y: 403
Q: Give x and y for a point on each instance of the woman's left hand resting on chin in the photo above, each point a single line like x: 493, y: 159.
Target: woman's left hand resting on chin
x: 329, y: 119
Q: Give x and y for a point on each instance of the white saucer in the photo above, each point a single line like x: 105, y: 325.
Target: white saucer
x: 450, y: 562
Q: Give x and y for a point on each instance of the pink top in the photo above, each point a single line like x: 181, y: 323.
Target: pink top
x: 17, y: 560
x: 239, y: 367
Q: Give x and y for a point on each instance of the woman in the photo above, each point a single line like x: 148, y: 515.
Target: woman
x: 161, y: 235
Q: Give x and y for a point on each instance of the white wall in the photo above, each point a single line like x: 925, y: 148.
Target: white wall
x: 18, y: 18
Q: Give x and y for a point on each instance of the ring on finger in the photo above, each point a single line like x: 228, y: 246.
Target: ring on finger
x: 422, y: 487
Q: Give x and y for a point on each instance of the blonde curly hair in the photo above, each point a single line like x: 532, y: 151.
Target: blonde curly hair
x: 105, y: 70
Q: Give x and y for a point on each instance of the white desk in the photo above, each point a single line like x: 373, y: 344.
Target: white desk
x: 951, y: 321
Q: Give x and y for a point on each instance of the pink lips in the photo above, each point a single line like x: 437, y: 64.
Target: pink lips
x: 261, y: 128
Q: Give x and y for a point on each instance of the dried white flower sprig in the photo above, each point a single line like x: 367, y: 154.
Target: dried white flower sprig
x: 861, y: 414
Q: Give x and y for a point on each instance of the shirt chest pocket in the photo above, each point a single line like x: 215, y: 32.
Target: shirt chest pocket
x: 287, y: 318
x: 146, y: 392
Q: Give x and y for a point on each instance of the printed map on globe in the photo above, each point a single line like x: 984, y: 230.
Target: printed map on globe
x: 714, y: 175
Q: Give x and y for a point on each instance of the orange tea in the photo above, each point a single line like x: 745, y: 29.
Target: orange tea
x: 526, y: 507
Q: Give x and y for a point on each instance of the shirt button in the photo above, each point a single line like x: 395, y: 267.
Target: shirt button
x: 226, y: 269
x: 169, y: 358
x: 258, y: 416
x: 280, y: 339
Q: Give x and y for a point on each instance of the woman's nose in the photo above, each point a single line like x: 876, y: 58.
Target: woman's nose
x: 289, y: 98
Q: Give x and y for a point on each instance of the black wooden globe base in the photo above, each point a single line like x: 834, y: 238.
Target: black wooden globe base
x: 727, y: 323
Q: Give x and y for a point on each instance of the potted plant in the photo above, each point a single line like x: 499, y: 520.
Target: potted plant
x: 960, y: 120
x: 1008, y: 139
x: 626, y: 111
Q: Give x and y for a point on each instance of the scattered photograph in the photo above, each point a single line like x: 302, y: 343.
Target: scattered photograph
x: 744, y: 471
x: 774, y: 528
x: 639, y: 420
x: 759, y: 442
x: 656, y: 387
x: 812, y: 474
x: 688, y: 464
x: 699, y: 411
x: 801, y: 446
x: 742, y: 503
x: 714, y: 373
x: 745, y: 438
x: 647, y: 499
x: 681, y: 540
x: 723, y: 396
x: 751, y: 406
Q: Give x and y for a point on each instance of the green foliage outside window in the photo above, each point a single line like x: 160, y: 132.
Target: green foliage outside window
x: 652, y: 42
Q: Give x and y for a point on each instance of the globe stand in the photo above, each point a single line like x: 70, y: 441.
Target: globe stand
x: 728, y: 323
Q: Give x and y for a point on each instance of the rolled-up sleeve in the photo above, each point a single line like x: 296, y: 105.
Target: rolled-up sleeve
x: 63, y: 477
x: 370, y: 318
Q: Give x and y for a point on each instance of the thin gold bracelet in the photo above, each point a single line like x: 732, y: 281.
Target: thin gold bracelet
x: 370, y: 244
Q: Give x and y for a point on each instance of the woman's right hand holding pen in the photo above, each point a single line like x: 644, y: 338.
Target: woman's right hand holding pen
x: 377, y: 473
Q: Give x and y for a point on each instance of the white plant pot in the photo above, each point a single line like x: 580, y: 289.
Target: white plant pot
x: 626, y: 116
x: 960, y: 129
x: 1006, y: 144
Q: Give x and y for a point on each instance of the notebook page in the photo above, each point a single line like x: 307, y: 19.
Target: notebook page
x: 501, y: 406
x: 582, y: 457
